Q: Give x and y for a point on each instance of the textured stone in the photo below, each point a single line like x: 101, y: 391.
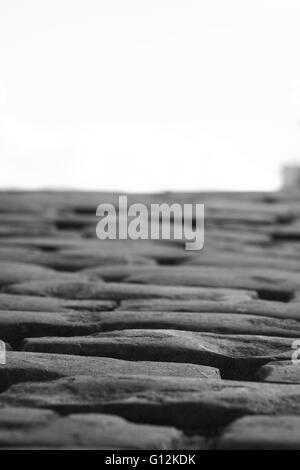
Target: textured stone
x: 16, y: 325
x: 51, y: 304
x: 227, y: 323
x: 11, y: 273
x: 185, y: 403
x: 226, y: 236
x: 24, y: 230
x: 262, y: 433
x: 233, y: 354
x: 209, y: 257
x: 281, y: 372
x: 237, y: 304
x: 296, y: 298
x: 224, y: 211
x: 99, y: 290
x: 123, y: 309
x: 25, y: 366
x: 287, y: 232
x: 160, y: 251
x: 209, y: 276
x: 71, y: 259
x: 26, y: 428
x: 230, y: 277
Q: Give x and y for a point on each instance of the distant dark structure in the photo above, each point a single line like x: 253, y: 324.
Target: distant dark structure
x: 291, y: 177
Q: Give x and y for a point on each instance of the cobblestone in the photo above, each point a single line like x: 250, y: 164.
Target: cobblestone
x: 140, y: 344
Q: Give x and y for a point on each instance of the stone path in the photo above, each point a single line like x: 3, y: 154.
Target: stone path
x: 141, y: 344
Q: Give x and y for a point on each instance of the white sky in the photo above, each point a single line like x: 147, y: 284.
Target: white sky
x: 148, y: 94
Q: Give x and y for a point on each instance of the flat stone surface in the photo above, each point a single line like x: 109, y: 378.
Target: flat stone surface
x: 220, y: 277
x: 227, y: 323
x: 16, y: 325
x: 99, y: 290
x: 166, y: 336
x: 186, y: 403
x: 262, y: 433
x: 27, y: 428
x: 281, y: 372
x: 237, y: 305
x: 26, y: 366
x: 287, y: 232
x: 210, y: 257
x: 68, y: 259
x: 11, y: 273
x: 160, y: 251
x: 232, y: 354
x: 296, y: 298
x: 52, y: 304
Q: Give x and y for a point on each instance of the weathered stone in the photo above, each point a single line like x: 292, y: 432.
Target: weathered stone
x: 296, y: 298
x: 30, y: 428
x: 209, y: 257
x: 185, y: 403
x: 227, y: 323
x: 248, y: 204
x: 99, y: 290
x: 223, y: 216
x: 114, y: 273
x: 160, y: 251
x: 188, y: 273
x: 50, y: 244
x: 209, y: 276
x: 138, y: 305
x: 19, y: 254
x: 51, y: 304
x: 234, y: 304
x: 281, y: 372
x: 68, y: 259
x: 16, y: 325
x: 234, y: 355
x: 224, y: 211
x: 221, y: 238
x: 262, y: 433
x: 43, y: 201
x: 287, y: 232
x: 279, y: 251
x: 282, y: 248
x: 25, y: 230
x: 24, y: 366
x: 75, y: 260
x: 11, y: 273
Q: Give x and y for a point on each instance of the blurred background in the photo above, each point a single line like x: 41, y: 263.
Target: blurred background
x: 148, y: 95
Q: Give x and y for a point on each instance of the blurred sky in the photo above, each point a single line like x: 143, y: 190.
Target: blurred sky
x: 148, y: 94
